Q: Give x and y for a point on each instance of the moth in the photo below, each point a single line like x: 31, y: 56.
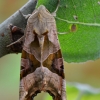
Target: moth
x: 42, y: 66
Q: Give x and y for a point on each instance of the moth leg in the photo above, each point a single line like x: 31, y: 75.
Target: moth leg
x: 54, y: 13
x: 25, y: 16
x: 19, y: 40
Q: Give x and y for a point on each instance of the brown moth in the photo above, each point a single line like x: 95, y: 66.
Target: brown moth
x: 41, y: 61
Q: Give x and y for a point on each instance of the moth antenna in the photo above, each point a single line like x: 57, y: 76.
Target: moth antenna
x: 54, y: 13
x: 19, y: 40
x: 25, y: 16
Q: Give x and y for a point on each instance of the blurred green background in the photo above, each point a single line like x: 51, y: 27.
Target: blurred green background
x: 83, y: 79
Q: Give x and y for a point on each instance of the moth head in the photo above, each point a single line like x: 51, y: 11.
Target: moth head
x: 42, y: 9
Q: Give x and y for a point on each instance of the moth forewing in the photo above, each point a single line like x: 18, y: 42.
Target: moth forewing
x: 44, y: 69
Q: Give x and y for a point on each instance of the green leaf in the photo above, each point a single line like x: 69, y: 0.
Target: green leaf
x: 82, y: 16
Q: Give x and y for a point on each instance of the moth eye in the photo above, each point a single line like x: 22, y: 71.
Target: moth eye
x: 34, y: 32
x: 45, y: 33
